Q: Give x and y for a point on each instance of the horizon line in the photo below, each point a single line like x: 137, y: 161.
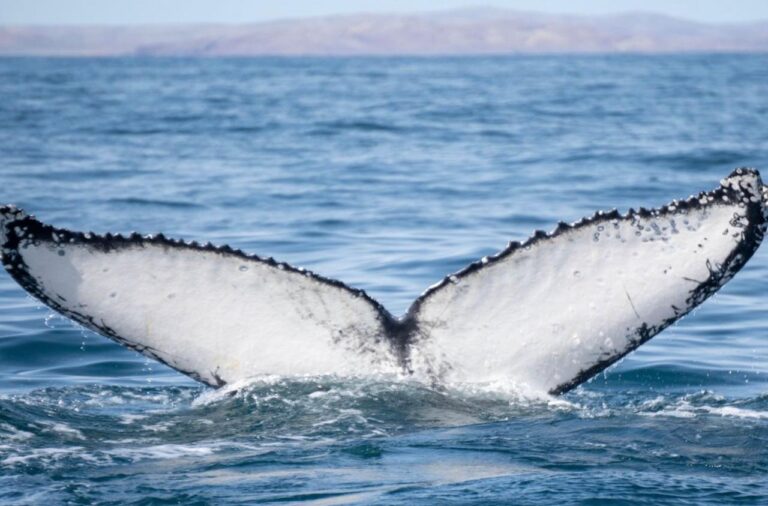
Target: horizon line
x: 378, y: 14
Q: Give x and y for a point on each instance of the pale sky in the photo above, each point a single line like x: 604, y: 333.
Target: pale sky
x: 244, y: 11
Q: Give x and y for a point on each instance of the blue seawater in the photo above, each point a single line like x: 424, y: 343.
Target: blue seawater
x: 387, y: 173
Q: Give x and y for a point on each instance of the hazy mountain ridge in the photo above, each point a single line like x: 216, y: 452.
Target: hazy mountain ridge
x: 474, y: 31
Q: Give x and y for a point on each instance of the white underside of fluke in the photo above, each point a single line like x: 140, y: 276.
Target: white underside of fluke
x: 220, y: 316
x: 547, y: 314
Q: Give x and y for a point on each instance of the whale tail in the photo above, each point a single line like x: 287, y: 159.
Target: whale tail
x: 548, y: 313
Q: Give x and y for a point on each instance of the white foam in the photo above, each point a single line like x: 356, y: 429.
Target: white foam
x: 736, y: 412
x: 129, y: 418
x: 43, y: 454
x: 11, y: 433
x: 63, y: 428
x: 695, y: 405
x: 159, y: 427
x: 683, y: 409
x: 163, y: 451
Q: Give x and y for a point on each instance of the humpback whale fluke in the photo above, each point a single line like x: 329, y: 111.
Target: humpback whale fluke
x: 548, y: 313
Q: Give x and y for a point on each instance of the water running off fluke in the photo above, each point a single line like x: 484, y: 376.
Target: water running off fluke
x: 546, y: 314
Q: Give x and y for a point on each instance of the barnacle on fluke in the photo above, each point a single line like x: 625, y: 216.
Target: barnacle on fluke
x: 549, y: 312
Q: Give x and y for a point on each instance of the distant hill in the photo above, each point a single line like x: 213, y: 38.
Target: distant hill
x: 474, y: 31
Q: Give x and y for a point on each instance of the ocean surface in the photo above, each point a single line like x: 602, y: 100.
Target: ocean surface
x: 386, y: 173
